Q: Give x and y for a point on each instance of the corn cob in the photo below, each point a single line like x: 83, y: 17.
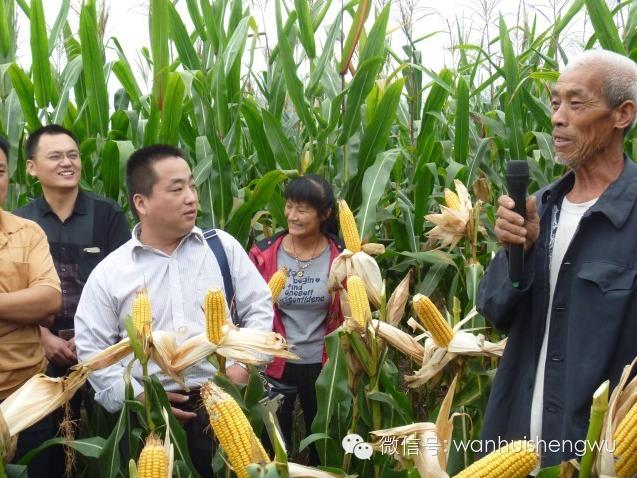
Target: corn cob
x: 432, y: 319
x: 452, y: 200
x: 277, y: 282
x: 153, y: 460
x: 515, y: 460
x: 348, y: 227
x: 142, y: 315
x: 358, y: 301
x: 232, y: 429
x: 625, y: 438
x: 215, y: 313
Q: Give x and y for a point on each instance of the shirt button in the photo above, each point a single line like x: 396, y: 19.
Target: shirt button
x: 63, y: 291
x: 182, y: 329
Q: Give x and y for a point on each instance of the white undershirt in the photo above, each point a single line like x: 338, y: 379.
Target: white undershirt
x: 570, y: 215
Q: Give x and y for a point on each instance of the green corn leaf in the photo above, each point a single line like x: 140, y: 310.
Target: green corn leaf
x: 376, y: 136
x: 374, y: 183
x: 222, y: 108
x: 70, y: 76
x: 197, y: 19
x: 512, y: 108
x: 110, y: 169
x: 93, y: 61
x: 220, y: 180
x: 40, y: 66
x: 60, y: 20
x: 461, y: 135
x: 5, y: 32
x: 283, y: 149
x: 375, y: 42
x: 364, y: 7
x: 24, y: 89
x: 187, y: 53
x: 317, y: 74
x: 254, y: 121
x: 605, y: 29
x: 125, y: 76
x: 295, y: 86
x: 171, y: 113
x: 358, y: 90
x: 306, y: 29
x: 240, y: 222
x: 159, y: 28
x: 236, y: 44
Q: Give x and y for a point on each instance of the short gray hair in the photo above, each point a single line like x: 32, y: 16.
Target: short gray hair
x: 620, y: 75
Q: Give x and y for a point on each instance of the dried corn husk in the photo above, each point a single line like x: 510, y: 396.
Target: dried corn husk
x: 360, y: 264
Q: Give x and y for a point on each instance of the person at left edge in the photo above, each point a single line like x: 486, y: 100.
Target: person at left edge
x: 82, y: 228
x: 29, y: 296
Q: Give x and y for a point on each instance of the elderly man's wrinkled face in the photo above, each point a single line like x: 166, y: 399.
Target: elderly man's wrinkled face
x: 582, y: 121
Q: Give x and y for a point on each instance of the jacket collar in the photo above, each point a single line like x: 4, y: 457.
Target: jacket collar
x: 616, y: 202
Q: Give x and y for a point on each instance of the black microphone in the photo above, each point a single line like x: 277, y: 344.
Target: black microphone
x: 517, y: 183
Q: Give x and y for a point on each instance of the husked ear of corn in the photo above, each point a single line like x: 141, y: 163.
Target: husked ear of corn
x: 215, y: 313
x: 153, y: 460
x: 142, y: 314
x: 277, y: 283
x: 432, y: 319
x: 348, y: 227
x: 515, y: 460
x: 232, y: 429
x: 452, y: 200
x: 625, y: 438
x: 358, y: 301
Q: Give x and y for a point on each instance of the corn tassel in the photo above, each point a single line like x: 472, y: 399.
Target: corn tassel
x: 515, y: 460
x: 452, y: 200
x: 348, y: 227
x: 277, y: 283
x: 215, y: 312
x: 142, y: 314
x: 232, y: 429
x: 625, y: 438
x: 358, y: 301
x: 153, y: 460
x: 432, y: 319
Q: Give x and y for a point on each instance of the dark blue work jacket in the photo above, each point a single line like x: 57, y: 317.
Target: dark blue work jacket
x: 593, y: 326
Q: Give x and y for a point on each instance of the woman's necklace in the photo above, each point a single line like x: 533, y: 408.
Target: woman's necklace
x: 301, y: 268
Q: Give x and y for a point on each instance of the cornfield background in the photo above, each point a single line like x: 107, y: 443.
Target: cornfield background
x: 333, y: 98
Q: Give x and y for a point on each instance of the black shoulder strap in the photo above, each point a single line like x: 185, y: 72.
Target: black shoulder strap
x: 211, y: 237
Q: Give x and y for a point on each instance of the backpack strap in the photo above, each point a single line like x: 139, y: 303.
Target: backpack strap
x: 211, y: 237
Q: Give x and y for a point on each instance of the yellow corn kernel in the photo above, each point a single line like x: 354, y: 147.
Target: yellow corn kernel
x: 625, y: 438
x: 432, y: 319
x: 142, y: 315
x: 358, y: 301
x: 232, y: 429
x: 515, y: 460
x: 215, y: 313
x: 277, y: 283
x: 153, y: 460
x: 348, y: 227
x: 452, y: 200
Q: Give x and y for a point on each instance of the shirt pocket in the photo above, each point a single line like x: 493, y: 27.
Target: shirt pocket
x: 14, y: 276
x: 89, y: 257
x: 608, y: 276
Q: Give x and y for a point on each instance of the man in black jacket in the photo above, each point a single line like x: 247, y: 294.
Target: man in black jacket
x: 572, y: 322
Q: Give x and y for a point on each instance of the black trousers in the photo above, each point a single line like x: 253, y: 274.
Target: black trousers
x: 303, y: 377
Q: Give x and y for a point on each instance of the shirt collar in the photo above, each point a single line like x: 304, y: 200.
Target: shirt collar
x: 80, y: 206
x: 616, y: 202
x: 137, y: 245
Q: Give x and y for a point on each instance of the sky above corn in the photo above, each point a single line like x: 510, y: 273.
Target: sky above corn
x: 439, y: 21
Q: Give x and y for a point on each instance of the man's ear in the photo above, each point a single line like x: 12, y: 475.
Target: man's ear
x: 139, y: 202
x: 32, y: 169
x: 625, y: 114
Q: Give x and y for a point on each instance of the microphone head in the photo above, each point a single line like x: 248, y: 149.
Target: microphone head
x: 517, y: 168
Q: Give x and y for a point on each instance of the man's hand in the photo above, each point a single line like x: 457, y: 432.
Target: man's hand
x: 237, y: 374
x: 175, y: 398
x: 58, y: 351
x: 511, y: 228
